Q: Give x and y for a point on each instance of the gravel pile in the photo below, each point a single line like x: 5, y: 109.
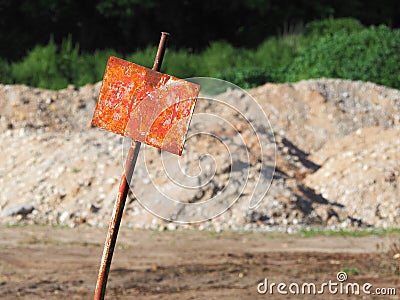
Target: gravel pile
x: 361, y: 171
x: 336, y: 144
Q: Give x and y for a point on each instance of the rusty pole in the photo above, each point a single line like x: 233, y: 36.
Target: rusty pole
x: 119, y: 205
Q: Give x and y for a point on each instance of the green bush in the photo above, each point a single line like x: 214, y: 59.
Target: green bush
x: 5, y: 72
x: 340, y: 48
x: 144, y: 57
x: 246, y: 77
x: 182, y: 64
x: 55, y: 67
x: 89, y: 68
x: 99, y: 61
x: 277, y: 51
x: 317, y: 29
x: 219, y: 57
x: 68, y: 61
x: 39, y: 68
x: 372, y: 54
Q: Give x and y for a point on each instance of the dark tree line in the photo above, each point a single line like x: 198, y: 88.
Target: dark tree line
x: 125, y: 25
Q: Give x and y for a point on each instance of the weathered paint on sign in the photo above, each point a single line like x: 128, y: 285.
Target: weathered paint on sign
x: 145, y: 105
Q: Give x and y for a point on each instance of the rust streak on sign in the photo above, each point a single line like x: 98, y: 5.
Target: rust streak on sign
x: 145, y: 105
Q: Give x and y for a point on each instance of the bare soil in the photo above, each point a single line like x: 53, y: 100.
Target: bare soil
x: 38, y: 262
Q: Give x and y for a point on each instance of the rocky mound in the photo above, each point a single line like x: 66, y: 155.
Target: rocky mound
x: 361, y: 171
x: 311, y: 113
x: 331, y: 168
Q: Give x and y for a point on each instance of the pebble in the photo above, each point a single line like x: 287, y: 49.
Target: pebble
x: 171, y: 226
x: 64, y: 216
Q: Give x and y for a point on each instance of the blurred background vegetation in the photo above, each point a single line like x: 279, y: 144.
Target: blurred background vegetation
x: 51, y: 44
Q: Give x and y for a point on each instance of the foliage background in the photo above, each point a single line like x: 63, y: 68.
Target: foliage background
x: 55, y: 43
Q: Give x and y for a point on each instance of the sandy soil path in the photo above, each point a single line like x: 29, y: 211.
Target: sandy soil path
x: 48, y: 263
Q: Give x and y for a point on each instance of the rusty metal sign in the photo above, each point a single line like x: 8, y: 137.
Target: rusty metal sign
x: 145, y: 105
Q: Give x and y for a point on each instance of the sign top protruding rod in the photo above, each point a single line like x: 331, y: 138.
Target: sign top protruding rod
x: 160, y: 51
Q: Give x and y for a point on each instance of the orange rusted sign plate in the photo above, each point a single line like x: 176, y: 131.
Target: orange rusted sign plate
x: 145, y: 105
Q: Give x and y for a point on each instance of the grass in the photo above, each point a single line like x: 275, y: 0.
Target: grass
x: 41, y: 240
x: 33, y: 226
x: 303, y: 233
x: 350, y: 271
x: 307, y: 233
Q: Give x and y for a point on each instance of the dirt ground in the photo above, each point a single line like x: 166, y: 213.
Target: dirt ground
x: 38, y: 262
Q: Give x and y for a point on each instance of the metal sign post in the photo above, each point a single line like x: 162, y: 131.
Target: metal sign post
x: 148, y: 107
